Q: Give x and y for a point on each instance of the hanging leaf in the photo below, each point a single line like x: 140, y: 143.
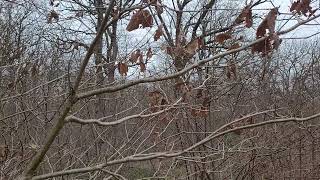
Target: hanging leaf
x: 134, y: 22
x: 159, y: 33
x: 156, y: 3
x: 272, y: 41
x: 263, y: 47
x: 141, y: 58
x: 123, y: 69
x: 142, y: 17
x: 135, y: 56
x: 220, y: 38
x: 245, y: 16
x: 302, y: 7
x: 267, y: 23
x: 146, y: 20
x: 193, y: 46
x: 142, y: 67
x: 275, y: 41
x: 149, y: 53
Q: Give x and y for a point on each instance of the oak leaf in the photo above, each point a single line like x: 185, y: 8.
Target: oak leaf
x: 267, y: 23
x: 123, y: 69
x: 246, y: 16
x: 135, y: 56
x: 302, y: 7
x: 220, y: 38
x: 142, y: 17
x: 159, y: 33
x: 193, y: 46
x: 263, y: 47
x: 142, y: 67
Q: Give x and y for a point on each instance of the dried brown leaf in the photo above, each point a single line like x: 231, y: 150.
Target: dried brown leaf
x: 263, y: 47
x: 142, y: 67
x: 149, y: 53
x: 141, y: 58
x: 159, y: 33
x: 302, y: 7
x: 146, y: 20
x: 142, y: 17
x: 134, y: 22
x: 193, y: 46
x: 246, y: 16
x: 220, y: 38
x: 123, y: 69
x: 267, y: 23
x: 135, y: 56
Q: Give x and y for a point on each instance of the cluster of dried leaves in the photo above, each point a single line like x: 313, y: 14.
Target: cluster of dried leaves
x: 184, y: 51
x: 245, y: 16
x: 267, y: 29
x: 136, y: 57
x: 189, y: 93
x: 302, y: 7
x: 123, y: 69
x: 159, y: 33
x: 141, y: 17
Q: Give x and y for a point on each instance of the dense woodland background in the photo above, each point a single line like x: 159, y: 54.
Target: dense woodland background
x: 151, y: 89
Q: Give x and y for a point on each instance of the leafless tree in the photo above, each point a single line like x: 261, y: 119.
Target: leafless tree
x: 120, y: 89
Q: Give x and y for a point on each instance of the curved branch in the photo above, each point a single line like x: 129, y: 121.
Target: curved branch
x: 144, y: 157
x: 100, y: 122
